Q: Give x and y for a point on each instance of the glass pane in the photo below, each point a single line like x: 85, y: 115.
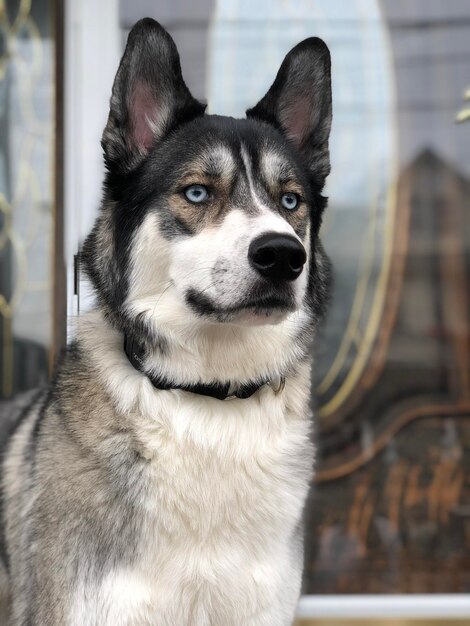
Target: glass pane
x: 26, y: 192
x: 389, y: 511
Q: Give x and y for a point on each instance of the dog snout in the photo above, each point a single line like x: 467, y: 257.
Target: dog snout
x: 277, y: 257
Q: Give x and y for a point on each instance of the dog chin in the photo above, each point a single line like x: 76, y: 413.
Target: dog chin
x: 258, y: 317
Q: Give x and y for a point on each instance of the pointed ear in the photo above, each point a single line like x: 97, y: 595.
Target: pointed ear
x: 299, y: 102
x: 149, y: 97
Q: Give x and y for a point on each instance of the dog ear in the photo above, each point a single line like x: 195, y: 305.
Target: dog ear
x: 149, y: 97
x: 299, y: 102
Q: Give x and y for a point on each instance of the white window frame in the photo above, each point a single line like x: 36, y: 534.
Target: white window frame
x: 406, y: 607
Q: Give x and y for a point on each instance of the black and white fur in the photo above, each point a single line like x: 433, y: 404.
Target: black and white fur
x: 126, y: 505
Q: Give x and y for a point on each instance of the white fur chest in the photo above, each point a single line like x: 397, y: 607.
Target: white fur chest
x: 227, y: 485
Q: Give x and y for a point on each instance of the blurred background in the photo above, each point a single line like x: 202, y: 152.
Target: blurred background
x: 390, y: 509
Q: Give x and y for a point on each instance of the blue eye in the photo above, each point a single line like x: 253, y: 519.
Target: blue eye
x: 196, y: 193
x: 290, y: 201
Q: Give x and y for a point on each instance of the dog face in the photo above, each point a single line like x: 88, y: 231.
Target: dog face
x: 231, y: 212
x: 205, y: 217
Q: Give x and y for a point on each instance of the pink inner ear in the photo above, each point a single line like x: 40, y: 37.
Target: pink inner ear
x: 144, y: 117
x: 296, y: 119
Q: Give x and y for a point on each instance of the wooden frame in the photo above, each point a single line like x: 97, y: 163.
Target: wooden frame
x: 59, y: 304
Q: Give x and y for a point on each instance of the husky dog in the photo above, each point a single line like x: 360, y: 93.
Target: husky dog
x: 161, y: 478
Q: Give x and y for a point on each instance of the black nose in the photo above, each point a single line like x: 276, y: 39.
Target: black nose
x: 277, y: 257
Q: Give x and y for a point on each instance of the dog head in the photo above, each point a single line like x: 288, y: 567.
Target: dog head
x: 209, y: 219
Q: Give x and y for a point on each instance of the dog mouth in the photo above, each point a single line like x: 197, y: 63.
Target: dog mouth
x: 254, y: 307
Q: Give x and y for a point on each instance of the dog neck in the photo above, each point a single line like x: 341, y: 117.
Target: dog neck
x: 204, y: 353
x: 262, y: 353
x: 221, y: 390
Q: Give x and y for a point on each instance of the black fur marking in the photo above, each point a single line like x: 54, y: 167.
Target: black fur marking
x: 200, y: 303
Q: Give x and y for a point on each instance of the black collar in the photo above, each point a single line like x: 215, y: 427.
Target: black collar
x: 135, y: 353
